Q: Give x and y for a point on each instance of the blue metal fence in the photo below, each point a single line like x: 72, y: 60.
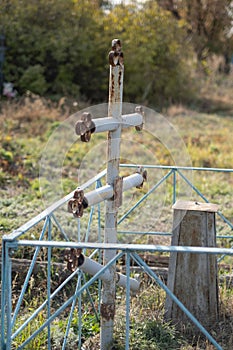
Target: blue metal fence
x: 11, y: 328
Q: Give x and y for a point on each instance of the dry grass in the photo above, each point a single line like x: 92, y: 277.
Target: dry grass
x: 207, y: 132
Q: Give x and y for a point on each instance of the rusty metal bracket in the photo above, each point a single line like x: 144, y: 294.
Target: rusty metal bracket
x: 118, y: 189
x: 85, y: 127
x: 116, y: 55
x: 74, y: 259
x: 143, y: 172
x: 77, y: 204
x: 139, y: 110
x: 107, y: 311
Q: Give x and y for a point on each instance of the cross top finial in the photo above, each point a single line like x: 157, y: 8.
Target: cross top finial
x: 116, y: 55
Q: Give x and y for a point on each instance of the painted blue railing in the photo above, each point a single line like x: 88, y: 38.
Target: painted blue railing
x: 18, y: 239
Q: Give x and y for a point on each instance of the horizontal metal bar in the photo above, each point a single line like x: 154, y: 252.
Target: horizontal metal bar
x: 98, y: 195
x: 92, y: 267
x: 24, y: 228
x: 105, y: 124
x: 145, y: 233
x: 126, y: 247
x: 204, y: 198
x: 132, y: 181
x: 106, y: 192
x: 156, y: 233
x: 111, y: 124
x: 224, y: 236
x: 177, y: 167
x: 134, y: 119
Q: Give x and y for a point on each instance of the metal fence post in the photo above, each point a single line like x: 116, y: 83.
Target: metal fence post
x: 107, y: 309
x: 6, y: 307
x: 3, y: 294
x: 49, y: 256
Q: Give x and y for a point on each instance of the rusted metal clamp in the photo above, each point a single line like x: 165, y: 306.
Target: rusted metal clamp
x: 116, y: 55
x: 139, y: 110
x: 85, y: 127
x: 118, y: 191
x: 144, y: 176
x: 74, y: 258
x: 77, y: 204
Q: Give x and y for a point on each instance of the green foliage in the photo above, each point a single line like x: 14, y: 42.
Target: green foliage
x: 39, y: 342
x: 210, y: 24
x: 154, y: 335
x: 156, y: 53
x: 62, y: 46
x: 5, y: 224
x: 90, y: 325
x: 148, y: 331
x: 164, y: 335
x: 39, y: 186
x: 68, y: 185
x: 55, y: 49
x: 33, y: 80
x: 7, y: 155
x: 51, y: 129
x: 2, y: 178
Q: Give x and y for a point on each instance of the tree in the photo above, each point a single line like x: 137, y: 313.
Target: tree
x: 209, y: 25
x: 60, y: 47
x: 157, y: 55
x: 56, y: 35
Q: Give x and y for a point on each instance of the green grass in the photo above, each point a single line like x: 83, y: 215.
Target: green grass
x: 26, y: 128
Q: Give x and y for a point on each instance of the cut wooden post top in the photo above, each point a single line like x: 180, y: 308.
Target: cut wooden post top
x: 197, y: 206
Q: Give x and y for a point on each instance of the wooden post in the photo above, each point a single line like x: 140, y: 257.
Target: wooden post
x: 193, y: 277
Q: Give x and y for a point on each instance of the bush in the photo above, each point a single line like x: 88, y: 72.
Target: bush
x: 33, y: 80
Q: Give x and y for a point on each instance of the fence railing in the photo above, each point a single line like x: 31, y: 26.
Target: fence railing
x: 14, y: 323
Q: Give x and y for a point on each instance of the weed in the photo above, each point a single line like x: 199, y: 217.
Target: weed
x: 39, y: 342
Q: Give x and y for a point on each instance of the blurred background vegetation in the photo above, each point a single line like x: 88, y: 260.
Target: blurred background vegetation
x: 58, y: 48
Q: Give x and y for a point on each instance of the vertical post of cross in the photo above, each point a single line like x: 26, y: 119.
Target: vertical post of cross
x: 107, y: 310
